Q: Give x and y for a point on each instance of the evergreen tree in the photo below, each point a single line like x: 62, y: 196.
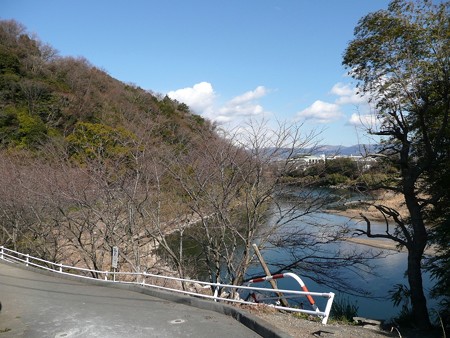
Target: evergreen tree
x: 401, y: 58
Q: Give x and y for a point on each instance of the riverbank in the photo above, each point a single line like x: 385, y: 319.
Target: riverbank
x: 355, y: 210
x: 300, y: 327
x: 385, y: 245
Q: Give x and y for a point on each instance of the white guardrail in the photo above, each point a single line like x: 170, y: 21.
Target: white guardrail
x: 141, y: 278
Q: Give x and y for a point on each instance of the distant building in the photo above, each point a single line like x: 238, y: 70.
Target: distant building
x: 304, y: 161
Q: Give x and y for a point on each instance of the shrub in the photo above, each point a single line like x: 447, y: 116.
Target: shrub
x: 343, y: 310
x: 336, y: 179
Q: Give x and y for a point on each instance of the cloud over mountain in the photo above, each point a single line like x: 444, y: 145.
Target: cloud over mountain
x: 202, y: 100
x: 328, y: 112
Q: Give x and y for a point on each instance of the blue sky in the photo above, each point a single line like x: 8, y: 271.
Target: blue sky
x: 228, y: 60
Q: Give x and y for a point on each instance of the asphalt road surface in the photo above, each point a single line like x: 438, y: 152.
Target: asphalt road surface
x: 37, y: 305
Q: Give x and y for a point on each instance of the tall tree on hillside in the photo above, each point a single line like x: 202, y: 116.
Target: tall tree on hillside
x: 401, y: 58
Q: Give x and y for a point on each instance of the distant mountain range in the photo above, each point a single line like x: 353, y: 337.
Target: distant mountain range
x: 358, y: 149
x: 328, y: 150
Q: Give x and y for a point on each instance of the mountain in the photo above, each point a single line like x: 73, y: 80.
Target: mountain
x: 358, y: 149
x: 44, y: 97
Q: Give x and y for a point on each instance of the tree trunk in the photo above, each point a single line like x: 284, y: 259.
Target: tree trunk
x: 418, y: 300
x: 415, y: 255
x: 417, y: 241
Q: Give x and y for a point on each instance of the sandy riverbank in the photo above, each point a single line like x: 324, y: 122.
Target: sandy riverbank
x: 354, y: 209
x: 388, y: 199
x: 385, y: 245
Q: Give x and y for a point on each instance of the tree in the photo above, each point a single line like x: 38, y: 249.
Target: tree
x: 26, y: 217
x: 235, y: 191
x: 400, y: 56
x: 439, y: 264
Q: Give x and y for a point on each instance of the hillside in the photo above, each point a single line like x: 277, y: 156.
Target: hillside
x: 44, y: 96
x: 87, y: 162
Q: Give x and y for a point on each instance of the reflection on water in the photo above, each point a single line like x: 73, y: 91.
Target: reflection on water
x: 389, y: 271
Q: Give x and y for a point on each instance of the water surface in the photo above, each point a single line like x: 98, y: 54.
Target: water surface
x: 384, y: 273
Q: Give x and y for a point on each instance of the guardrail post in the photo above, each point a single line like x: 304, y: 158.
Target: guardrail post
x: 1, y: 251
x: 143, y: 278
x: 328, y: 308
x: 27, y: 259
x: 60, y: 267
x: 106, y: 275
x: 216, y: 293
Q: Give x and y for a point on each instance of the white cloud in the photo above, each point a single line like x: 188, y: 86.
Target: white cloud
x: 242, y: 106
x: 230, y: 112
x: 347, y: 95
x: 200, y: 97
x: 341, y: 89
x: 368, y: 121
x: 321, y: 112
x: 251, y: 95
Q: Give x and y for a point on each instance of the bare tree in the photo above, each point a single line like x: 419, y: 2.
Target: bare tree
x: 25, y: 216
x: 235, y: 190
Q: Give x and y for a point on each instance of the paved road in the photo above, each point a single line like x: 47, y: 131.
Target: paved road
x: 37, y: 305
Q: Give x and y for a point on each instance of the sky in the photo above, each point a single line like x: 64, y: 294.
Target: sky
x: 230, y: 61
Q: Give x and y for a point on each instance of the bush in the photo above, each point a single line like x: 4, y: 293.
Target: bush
x: 343, y: 310
x: 336, y: 179
x: 372, y: 179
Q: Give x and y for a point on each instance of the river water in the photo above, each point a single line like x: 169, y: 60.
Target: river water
x: 380, y: 278
x: 383, y: 274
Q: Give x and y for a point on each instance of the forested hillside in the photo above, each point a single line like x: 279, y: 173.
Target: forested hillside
x: 84, y: 157
x: 44, y: 96
x: 89, y: 163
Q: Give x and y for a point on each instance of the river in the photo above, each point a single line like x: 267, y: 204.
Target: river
x: 384, y: 274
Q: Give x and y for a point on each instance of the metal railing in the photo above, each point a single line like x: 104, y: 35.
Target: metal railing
x: 141, y: 278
